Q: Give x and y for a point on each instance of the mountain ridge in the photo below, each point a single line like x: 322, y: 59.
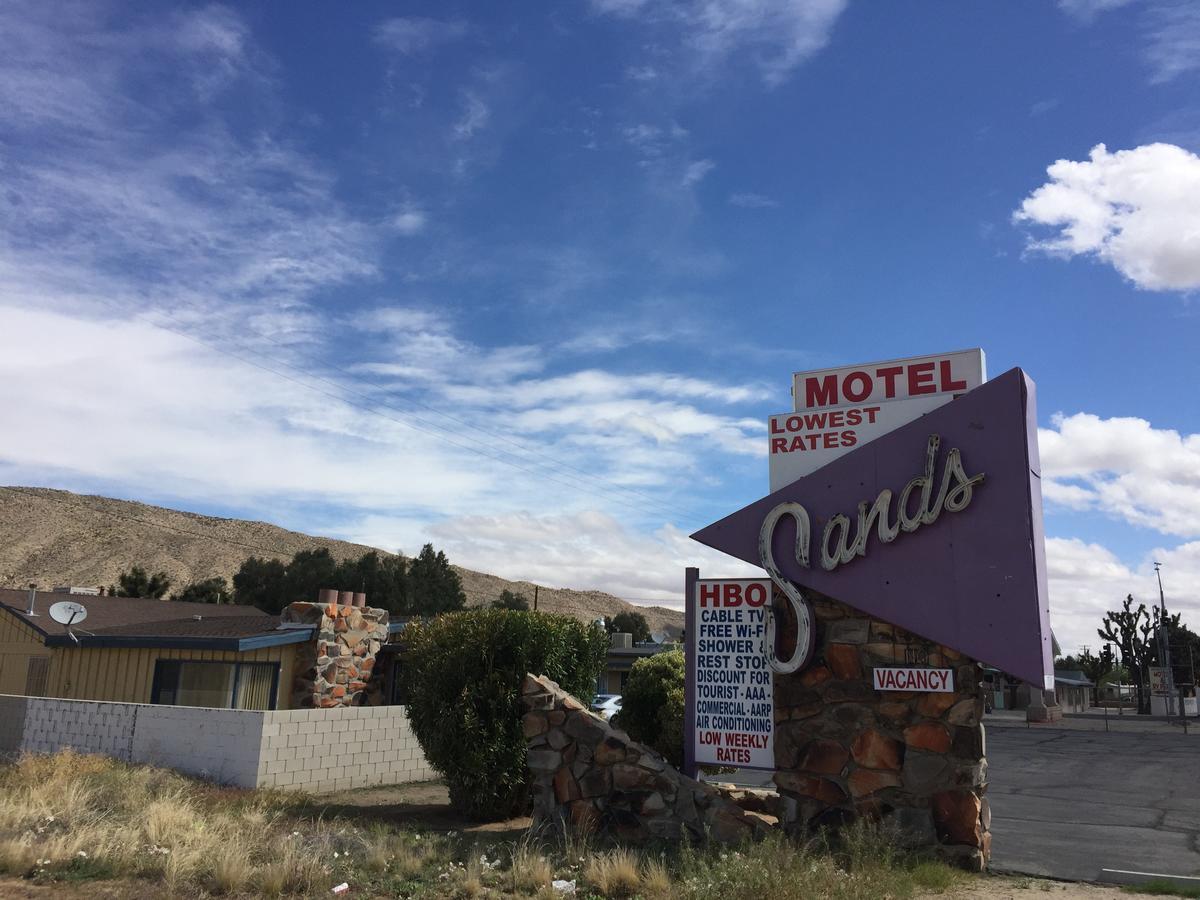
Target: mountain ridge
x: 53, y: 537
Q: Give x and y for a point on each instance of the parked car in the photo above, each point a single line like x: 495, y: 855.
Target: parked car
x: 606, y: 705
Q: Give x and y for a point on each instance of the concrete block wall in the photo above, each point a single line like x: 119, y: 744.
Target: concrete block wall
x: 12, y: 723
x: 313, y: 750
x: 321, y: 750
x: 221, y: 745
x: 95, y: 727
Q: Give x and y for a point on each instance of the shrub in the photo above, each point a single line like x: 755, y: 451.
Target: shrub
x: 652, y: 704
x: 464, y: 674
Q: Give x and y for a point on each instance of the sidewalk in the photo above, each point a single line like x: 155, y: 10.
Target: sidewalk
x: 1125, y: 723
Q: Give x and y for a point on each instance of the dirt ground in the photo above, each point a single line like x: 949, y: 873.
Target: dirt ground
x: 1020, y: 888
x: 424, y: 804
x: 986, y: 888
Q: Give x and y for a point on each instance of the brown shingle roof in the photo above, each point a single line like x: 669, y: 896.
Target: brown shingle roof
x: 120, y: 620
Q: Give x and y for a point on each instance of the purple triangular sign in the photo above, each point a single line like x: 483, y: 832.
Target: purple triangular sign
x: 964, y: 565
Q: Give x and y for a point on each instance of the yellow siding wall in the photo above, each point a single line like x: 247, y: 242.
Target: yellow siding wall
x: 18, y: 642
x: 117, y: 674
x: 127, y: 675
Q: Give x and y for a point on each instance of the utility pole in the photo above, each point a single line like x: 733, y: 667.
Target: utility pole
x: 1164, y: 645
x: 535, y: 593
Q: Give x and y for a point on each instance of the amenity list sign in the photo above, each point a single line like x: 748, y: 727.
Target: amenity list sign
x: 731, y: 675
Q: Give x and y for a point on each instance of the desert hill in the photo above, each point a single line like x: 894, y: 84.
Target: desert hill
x: 55, y: 537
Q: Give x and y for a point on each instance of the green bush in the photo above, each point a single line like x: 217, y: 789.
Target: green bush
x: 464, y: 673
x: 652, y: 704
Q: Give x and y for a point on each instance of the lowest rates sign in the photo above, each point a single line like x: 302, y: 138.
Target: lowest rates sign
x: 730, y: 674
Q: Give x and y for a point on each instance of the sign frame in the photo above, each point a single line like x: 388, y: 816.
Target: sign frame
x: 811, y: 436
x: 692, y: 580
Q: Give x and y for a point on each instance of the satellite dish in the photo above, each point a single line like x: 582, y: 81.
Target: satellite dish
x: 68, y: 613
x: 660, y: 637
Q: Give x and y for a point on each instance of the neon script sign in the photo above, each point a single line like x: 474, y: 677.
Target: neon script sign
x: 841, y: 544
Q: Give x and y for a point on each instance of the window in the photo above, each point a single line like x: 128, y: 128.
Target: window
x: 214, y: 684
x: 36, y: 675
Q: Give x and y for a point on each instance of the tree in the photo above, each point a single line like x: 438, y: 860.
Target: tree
x: 434, y: 587
x: 135, y: 583
x: 510, y: 600
x: 210, y: 590
x: 629, y: 622
x: 464, y: 672
x: 1132, y: 630
x: 426, y: 586
x: 384, y: 579
x: 652, y: 704
x: 307, y: 573
x: 259, y: 583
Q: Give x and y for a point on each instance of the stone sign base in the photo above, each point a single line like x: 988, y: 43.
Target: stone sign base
x: 916, y: 760
x: 589, y: 775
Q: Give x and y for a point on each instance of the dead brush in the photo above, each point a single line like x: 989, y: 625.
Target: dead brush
x: 530, y: 870
x: 614, y: 874
x: 231, y: 870
x: 656, y: 880
x: 16, y: 856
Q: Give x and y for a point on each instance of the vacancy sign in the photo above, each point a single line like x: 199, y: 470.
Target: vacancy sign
x: 837, y: 410
x: 938, y: 681
x: 731, y: 675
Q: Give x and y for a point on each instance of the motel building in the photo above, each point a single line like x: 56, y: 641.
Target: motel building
x: 140, y: 650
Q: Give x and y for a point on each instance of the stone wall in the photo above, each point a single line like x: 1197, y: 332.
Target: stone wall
x: 589, y: 775
x: 335, y: 669
x: 913, y: 759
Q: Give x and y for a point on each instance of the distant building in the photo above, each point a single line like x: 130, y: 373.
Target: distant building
x: 622, y: 654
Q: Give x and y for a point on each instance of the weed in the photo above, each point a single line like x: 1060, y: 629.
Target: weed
x: 614, y: 874
x: 1162, y: 888
x: 530, y: 871
x: 934, y: 876
x: 231, y: 871
x: 656, y: 879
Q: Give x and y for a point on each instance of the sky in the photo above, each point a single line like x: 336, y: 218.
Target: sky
x: 525, y: 280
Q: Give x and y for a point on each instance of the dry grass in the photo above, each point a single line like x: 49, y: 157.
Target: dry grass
x: 656, y: 879
x: 530, y: 870
x: 614, y: 874
x: 69, y: 817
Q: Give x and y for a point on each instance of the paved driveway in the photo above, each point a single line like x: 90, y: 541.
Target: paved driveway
x: 1067, y: 803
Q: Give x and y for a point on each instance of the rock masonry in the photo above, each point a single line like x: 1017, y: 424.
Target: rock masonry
x: 590, y: 776
x: 336, y: 668
x: 915, y: 760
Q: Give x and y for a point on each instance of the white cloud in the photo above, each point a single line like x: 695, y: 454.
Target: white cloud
x: 778, y: 35
x: 1125, y: 468
x: 752, y: 201
x: 641, y: 73
x: 1088, y: 580
x: 414, y: 34
x: 1086, y: 10
x: 586, y: 551
x: 695, y: 172
x: 410, y: 221
x: 1172, y: 32
x: 1137, y: 210
x: 475, y: 116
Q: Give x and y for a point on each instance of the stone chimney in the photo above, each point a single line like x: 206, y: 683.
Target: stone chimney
x: 335, y: 668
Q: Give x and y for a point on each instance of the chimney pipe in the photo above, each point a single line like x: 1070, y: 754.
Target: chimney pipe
x: 327, y: 596
x: 32, y: 597
x: 346, y: 599
x: 360, y: 599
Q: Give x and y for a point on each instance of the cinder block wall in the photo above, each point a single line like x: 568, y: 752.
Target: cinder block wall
x: 314, y: 750
x: 321, y: 750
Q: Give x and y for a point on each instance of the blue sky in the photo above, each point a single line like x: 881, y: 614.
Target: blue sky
x: 525, y: 280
